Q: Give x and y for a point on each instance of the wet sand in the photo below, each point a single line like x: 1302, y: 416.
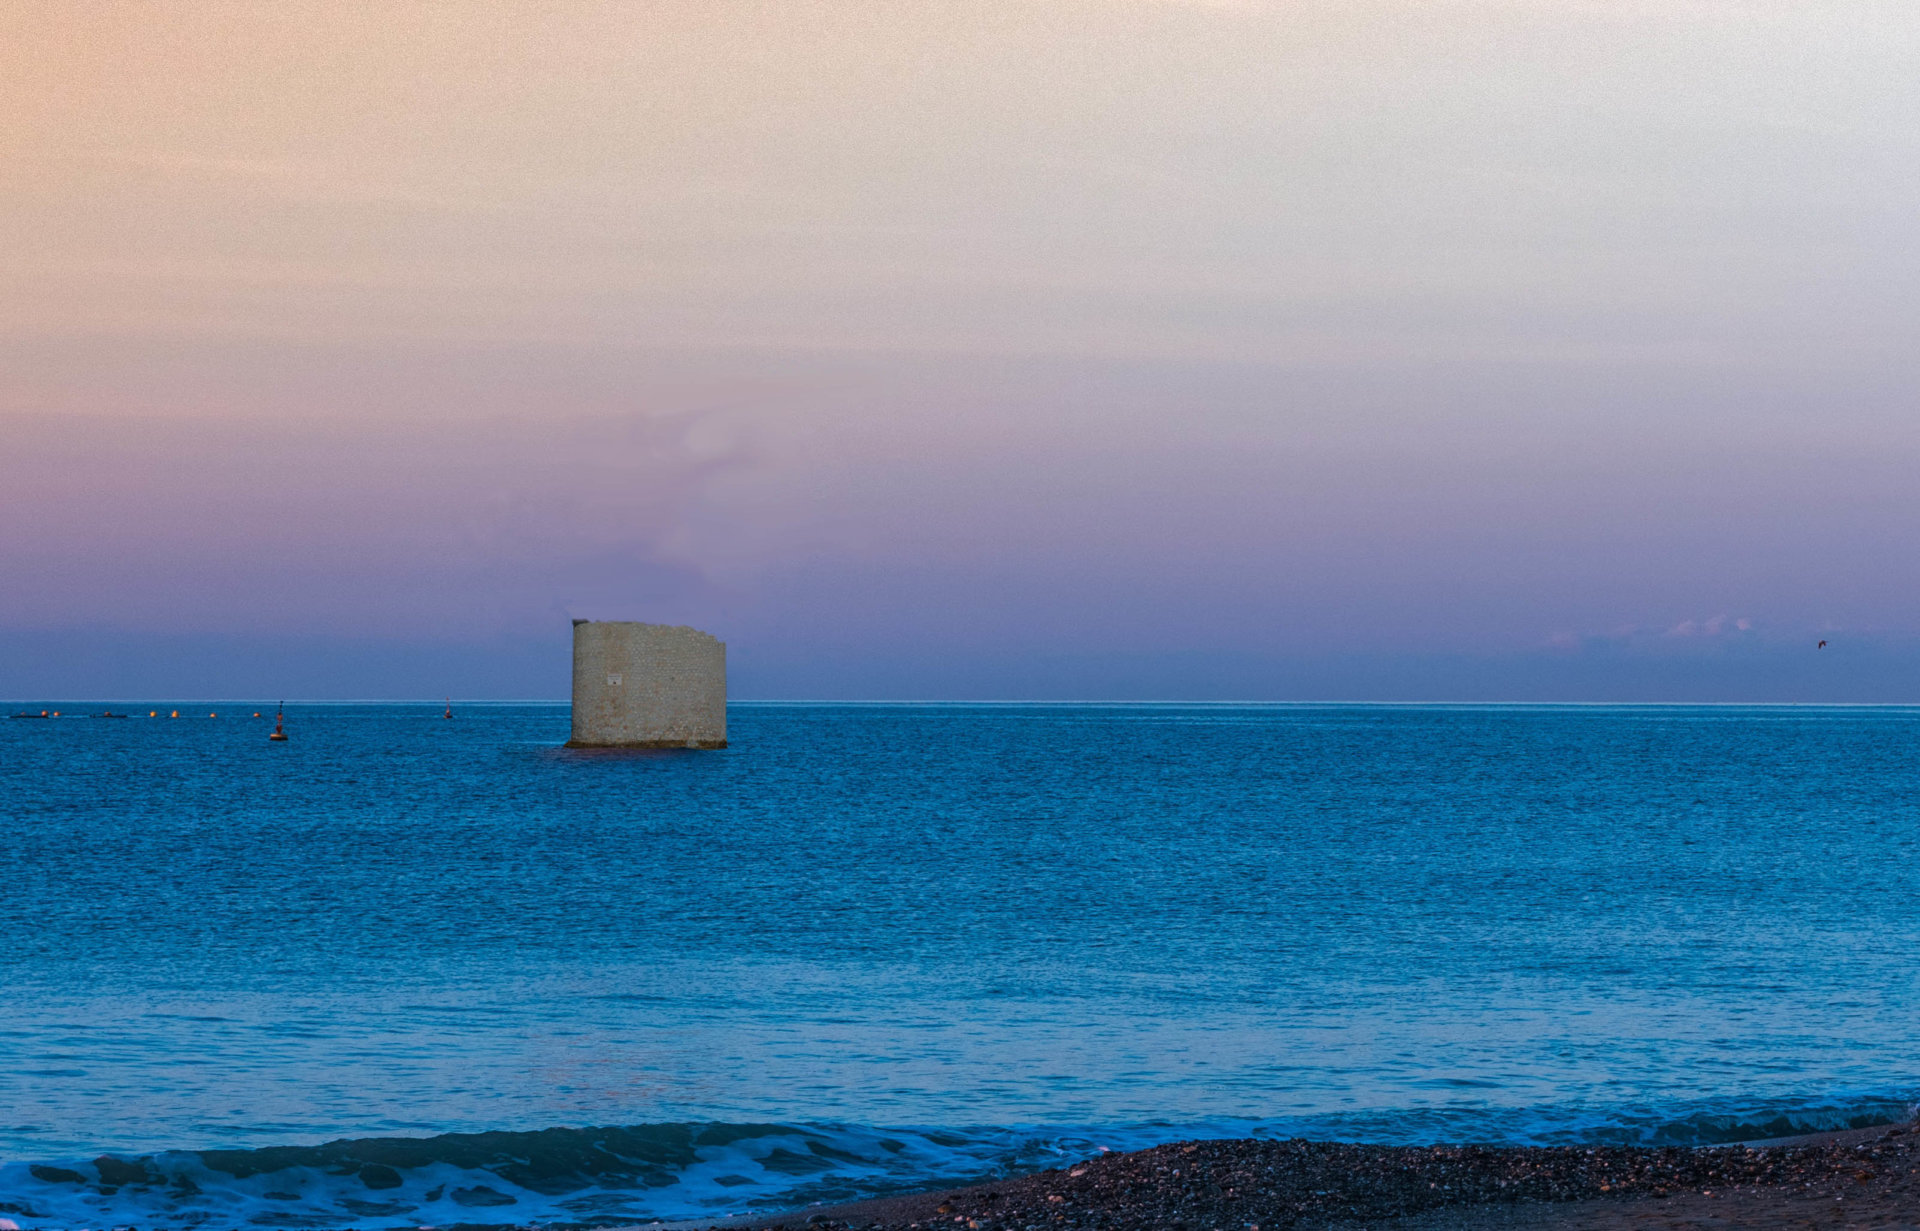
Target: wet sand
x: 1862, y: 1178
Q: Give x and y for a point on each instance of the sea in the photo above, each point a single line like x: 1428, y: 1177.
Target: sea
x: 409, y: 971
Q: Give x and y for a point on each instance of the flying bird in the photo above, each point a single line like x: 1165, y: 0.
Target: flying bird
x: 1821, y: 646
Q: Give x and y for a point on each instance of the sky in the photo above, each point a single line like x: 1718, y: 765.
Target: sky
x: 1467, y: 350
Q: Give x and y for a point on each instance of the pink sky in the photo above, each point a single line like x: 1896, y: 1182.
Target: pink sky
x: 1474, y: 349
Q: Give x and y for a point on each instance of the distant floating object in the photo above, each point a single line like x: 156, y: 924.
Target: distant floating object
x: 153, y: 713
x: 279, y: 720
x: 213, y: 715
x: 108, y: 714
x: 31, y: 714
x: 175, y: 714
x: 256, y: 713
x: 449, y: 712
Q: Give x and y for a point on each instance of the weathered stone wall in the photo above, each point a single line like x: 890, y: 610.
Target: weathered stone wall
x: 647, y: 686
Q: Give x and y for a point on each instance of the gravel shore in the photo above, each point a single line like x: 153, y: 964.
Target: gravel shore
x: 1864, y: 1178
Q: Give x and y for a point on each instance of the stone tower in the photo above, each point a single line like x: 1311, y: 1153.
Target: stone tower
x: 647, y: 686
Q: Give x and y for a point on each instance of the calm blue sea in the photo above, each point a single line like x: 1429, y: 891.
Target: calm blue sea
x: 880, y: 946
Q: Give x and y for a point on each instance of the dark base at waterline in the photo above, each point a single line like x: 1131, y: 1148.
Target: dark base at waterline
x: 701, y: 745
x: 1860, y: 1178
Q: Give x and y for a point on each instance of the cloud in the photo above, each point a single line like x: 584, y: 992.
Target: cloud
x: 403, y: 526
x: 1714, y: 626
x: 1701, y: 632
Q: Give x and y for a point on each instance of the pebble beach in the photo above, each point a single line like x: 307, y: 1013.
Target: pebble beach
x: 1861, y: 1178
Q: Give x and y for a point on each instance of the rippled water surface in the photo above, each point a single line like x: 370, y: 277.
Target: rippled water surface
x: 918, y: 943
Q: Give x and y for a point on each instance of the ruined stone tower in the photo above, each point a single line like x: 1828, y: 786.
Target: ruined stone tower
x: 647, y: 686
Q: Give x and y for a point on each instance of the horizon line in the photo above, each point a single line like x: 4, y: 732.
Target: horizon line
x: 934, y: 701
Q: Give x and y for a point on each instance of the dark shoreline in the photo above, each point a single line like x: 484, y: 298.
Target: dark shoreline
x: 1862, y: 1177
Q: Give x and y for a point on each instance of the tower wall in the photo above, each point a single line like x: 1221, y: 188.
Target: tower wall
x: 647, y: 686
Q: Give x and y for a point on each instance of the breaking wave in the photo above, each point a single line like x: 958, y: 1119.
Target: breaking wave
x: 557, y: 1175
x: 638, y: 1173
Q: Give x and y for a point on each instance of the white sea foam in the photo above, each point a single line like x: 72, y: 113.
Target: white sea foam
x: 713, y: 1170
x: 752, y: 1167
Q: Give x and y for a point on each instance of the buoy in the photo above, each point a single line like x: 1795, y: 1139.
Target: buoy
x: 175, y: 714
x: 153, y: 713
x: 279, y: 733
x: 256, y: 713
x: 213, y: 715
x: 449, y: 712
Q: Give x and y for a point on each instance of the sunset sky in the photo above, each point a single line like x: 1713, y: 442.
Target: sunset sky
x: 1460, y: 349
